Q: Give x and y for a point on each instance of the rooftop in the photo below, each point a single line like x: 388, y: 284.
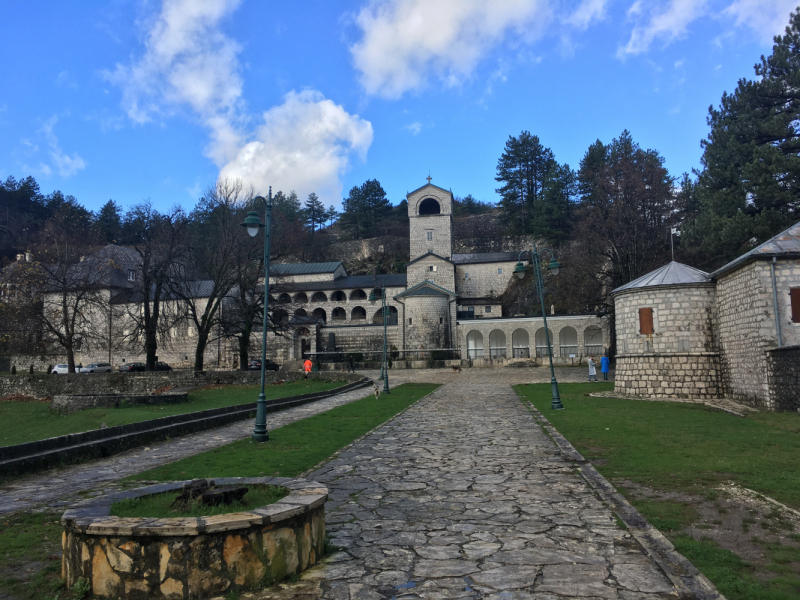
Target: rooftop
x: 786, y: 243
x: 351, y: 282
x: 304, y: 268
x: 485, y: 257
x: 673, y: 273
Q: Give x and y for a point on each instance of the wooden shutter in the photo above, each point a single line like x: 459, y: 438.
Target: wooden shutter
x: 646, y: 321
x: 794, y: 294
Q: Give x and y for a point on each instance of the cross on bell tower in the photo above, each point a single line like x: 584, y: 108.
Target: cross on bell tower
x: 429, y: 178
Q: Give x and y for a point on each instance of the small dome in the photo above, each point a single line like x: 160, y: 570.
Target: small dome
x: 673, y: 273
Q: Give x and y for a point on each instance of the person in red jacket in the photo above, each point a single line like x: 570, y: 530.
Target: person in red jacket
x: 307, y: 366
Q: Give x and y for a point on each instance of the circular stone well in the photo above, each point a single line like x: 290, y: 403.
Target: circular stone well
x: 177, y: 558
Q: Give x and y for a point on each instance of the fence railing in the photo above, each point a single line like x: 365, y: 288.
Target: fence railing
x: 475, y: 353
x: 497, y: 352
x: 567, y: 350
x: 521, y: 352
x: 542, y: 351
x: 593, y: 349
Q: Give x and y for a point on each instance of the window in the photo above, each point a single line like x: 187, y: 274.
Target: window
x: 646, y: 321
x: 466, y: 275
x: 500, y: 271
x: 794, y: 295
x: 441, y: 321
x: 430, y: 235
x: 488, y: 309
x: 131, y: 275
x: 409, y: 320
x: 433, y: 268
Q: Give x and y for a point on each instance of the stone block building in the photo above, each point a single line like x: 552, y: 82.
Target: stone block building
x: 732, y: 333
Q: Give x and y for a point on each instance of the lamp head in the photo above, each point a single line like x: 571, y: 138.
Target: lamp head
x: 372, y: 298
x: 520, y: 270
x: 252, y: 223
x: 554, y: 266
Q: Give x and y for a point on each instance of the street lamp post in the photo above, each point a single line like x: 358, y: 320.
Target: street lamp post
x: 385, y: 314
x: 253, y: 224
x: 553, y: 267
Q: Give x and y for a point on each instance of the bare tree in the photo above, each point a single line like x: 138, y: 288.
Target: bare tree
x: 159, y: 242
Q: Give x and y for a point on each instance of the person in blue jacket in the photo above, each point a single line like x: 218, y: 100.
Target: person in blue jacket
x: 604, y: 364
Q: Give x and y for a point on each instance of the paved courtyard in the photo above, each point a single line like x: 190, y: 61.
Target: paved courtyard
x: 465, y: 496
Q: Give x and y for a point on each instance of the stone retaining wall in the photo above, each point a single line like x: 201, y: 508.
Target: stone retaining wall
x: 675, y: 375
x: 783, y: 376
x: 138, y: 559
x: 41, y: 386
x: 69, y: 403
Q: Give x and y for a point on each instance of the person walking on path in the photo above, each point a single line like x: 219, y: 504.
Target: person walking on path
x: 350, y: 366
x: 604, y: 363
x: 592, y: 370
x: 307, y: 367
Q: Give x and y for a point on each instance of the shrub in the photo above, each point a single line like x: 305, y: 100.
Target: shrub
x: 395, y: 353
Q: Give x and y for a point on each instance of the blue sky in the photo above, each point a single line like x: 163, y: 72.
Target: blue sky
x: 133, y: 100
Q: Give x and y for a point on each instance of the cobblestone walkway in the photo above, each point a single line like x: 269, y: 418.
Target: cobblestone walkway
x: 54, y: 488
x: 465, y: 496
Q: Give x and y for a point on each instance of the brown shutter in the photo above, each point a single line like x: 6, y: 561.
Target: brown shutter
x: 794, y: 294
x: 646, y: 321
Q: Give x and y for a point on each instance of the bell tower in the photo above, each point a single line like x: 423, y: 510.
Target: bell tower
x: 430, y: 214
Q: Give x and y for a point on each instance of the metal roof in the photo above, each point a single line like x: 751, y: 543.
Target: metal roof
x: 426, y: 288
x: 304, y: 268
x: 351, y: 282
x: 485, y: 257
x: 428, y: 254
x: 673, y: 273
x: 786, y: 243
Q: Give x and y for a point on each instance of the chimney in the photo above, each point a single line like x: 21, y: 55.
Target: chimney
x: 29, y: 257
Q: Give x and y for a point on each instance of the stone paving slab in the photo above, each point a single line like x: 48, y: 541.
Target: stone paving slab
x: 464, y: 495
x: 54, y: 488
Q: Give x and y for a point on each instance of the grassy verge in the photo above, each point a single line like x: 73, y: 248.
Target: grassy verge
x: 296, y: 447
x: 30, y: 421
x: 161, y: 506
x: 30, y: 556
x: 689, y: 449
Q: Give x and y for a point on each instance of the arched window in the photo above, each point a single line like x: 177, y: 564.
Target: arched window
x: 284, y: 298
x: 520, y: 344
x: 497, y: 344
x: 300, y: 313
x: 377, y: 292
x: 474, y: 344
x: 358, y: 314
x: 542, y: 348
x: 300, y: 298
x: 320, y: 313
x: 568, y: 341
x: 339, y: 314
x: 358, y: 295
x: 280, y: 316
x: 593, y: 340
x: 429, y: 206
x: 378, y: 319
x: 319, y: 297
x: 338, y: 296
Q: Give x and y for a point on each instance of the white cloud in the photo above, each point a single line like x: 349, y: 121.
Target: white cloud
x: 679, y: 63
x: 405, y: 42
x: 587, y: 12
x: 65, y: 79
x: 414, y: 127
x: 766, y: 19
x: 665, y: 25
x: 188, y: 61
x: 305, y: 144
x: 65, y: 164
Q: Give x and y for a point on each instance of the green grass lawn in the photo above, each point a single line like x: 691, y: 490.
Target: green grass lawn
x: 673, y: 446
x: 296, y: 447
x: 30, y: 563
x: 161, y: 506
x: 30, y: 421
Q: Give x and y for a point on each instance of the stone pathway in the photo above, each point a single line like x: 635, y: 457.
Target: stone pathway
x: 465, y: 496
x: 53, y: 489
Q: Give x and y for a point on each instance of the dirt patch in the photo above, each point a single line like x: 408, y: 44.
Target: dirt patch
x: 737, y: 519
x: 23, y: 398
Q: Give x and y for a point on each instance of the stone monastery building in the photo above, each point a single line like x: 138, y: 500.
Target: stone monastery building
x: 444, y: 301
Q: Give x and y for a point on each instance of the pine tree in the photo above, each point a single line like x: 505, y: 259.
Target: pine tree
x: 331, y: 214
x: 364, y: 209
x: 314, y: 212
x: 749, y: 188
x: 108, y: 222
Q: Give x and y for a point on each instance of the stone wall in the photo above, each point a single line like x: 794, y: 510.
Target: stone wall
x: 783, y: 376
x: 366, y: 338
x: 684, y: 319
x: 42, y: 386
x: 787, y: 276
x: 439, y: 227
x: 484, y: 280
x: 674, y: 375
x: 421, y: 271
x: 428, y: 322
x: 183, y: 558
x: 373, y: 247
x: 746, y: 331
x: 67, y: 403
